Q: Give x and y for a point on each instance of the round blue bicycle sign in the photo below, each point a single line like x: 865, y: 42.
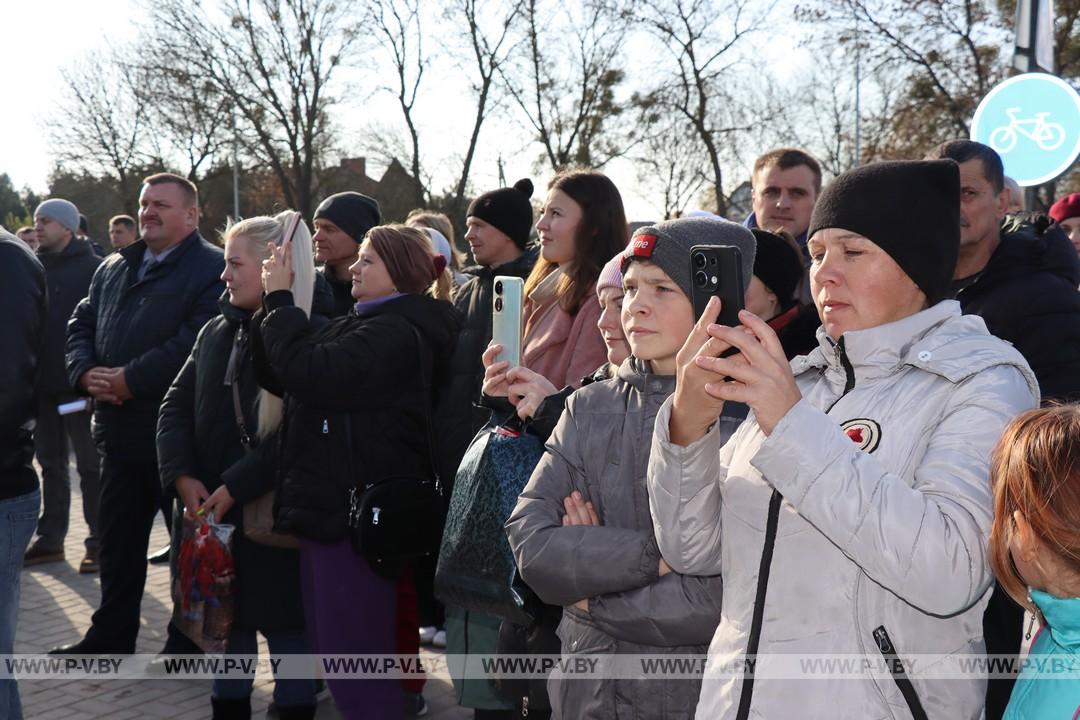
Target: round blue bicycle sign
x: 1033, y: 122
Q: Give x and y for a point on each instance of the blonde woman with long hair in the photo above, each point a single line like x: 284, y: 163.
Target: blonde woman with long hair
x: 216, y: 439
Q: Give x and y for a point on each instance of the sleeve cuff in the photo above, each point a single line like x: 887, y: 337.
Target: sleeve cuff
x: 278, y: 299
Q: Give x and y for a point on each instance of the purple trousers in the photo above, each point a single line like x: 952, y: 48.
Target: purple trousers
x: 351, y: 611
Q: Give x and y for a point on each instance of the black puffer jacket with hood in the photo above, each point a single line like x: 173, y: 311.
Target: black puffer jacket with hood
x: 1027, y: 296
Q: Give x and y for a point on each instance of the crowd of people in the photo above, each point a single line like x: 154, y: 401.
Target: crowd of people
x: 878, y: 460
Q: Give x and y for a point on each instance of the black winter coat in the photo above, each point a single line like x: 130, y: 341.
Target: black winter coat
x: 25, y: 303
x: 197, y: 435
x: 359, y: 373
x: 340, y: 291
x: 68, y: 274
x: 146, y: 326
x: 460, y: 414
x: 1027, y: 295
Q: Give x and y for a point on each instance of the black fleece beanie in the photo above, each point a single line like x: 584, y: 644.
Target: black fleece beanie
x: 908, y: 208
x: 778, y: 265
x: 507, y: 209
x: 354, y: 213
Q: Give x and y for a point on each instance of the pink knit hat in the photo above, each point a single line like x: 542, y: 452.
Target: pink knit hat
x: 611, y: 274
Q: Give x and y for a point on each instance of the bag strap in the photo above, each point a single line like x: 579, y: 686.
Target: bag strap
x: 232, y: 380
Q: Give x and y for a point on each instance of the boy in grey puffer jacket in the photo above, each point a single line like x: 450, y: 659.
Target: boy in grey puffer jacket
x: 581, y: 531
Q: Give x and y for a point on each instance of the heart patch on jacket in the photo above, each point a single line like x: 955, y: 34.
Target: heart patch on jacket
x: 863, y: 432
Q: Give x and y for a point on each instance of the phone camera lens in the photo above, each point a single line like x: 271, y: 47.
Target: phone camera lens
x: 498, y: 305
x: 498, y: 288
x: 701, y: 279
x: 699, y: 260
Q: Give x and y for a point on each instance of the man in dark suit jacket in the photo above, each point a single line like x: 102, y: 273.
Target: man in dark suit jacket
x: 126, y: 342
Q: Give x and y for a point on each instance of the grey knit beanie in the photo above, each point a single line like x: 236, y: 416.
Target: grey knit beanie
x: 62, y: 211
x: 668, y: 245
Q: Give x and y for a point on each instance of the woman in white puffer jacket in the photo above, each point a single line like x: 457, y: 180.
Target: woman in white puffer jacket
x: 849, y: 514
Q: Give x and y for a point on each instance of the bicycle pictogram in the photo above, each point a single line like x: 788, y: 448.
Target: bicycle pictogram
x: 1047, y: 135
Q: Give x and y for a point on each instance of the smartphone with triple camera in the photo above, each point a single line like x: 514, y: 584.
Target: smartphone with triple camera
x: 506, y: 317
x: 717, y: 270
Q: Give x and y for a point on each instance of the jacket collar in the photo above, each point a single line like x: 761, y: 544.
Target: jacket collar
x: 638, y: 374
x: 519, y: 266
x: 133, y: 253
x: 1062, y: 618
x: 75, y: 248
x: 235, y: 315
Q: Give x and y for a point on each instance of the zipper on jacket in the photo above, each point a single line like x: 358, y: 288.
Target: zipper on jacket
x: 849, y: 371
x: 326, y: 426
x: 771, y: 523
x: 750, y: 661
x: 899, y: 674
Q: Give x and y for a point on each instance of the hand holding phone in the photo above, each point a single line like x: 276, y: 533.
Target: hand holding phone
x: 506, y: 311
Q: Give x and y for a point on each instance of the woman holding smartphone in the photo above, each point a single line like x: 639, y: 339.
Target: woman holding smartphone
x: 583, y: 224
x: 357, y: 413
x: 849, y: 514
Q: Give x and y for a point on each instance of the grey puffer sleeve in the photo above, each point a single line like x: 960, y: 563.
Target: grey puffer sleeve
x: 924, y: 538
x: 566, y: 564
x: 685, y: 497
x: 675, y: 610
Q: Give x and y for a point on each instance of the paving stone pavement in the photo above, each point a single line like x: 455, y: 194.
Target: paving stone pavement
x: 55, y: 608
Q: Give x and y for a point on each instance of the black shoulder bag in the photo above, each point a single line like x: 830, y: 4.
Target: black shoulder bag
x: 399, y: 518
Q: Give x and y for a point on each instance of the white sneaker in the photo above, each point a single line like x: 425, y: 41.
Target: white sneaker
x: 439, y: 640
x: 427, y: 634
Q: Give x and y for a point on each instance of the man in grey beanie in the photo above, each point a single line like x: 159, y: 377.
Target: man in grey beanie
x: 60, y: 211
x: 63, y: 425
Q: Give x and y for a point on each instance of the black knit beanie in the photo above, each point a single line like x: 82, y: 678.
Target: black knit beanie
x: 507, y: 209
x: 778, y: 265
x: 354, y: 213
x: 909, y: 208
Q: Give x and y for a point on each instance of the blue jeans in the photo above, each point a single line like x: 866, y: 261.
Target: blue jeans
x: 18, y: 518
x: 287, y: 693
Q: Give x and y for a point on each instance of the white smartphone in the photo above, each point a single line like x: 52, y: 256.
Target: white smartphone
x: 506, y: 317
